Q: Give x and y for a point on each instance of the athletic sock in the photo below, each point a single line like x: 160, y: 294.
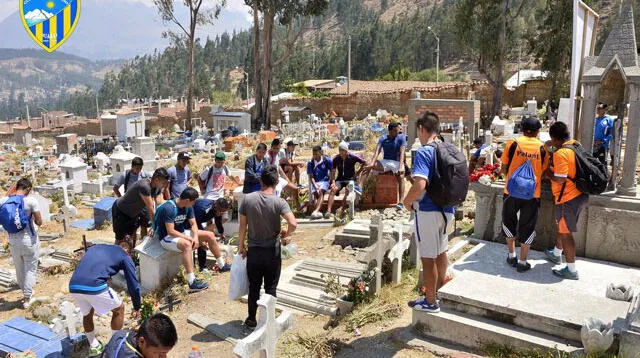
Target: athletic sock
x: 220, y: 261
x: 572, y: 266
x: 557, y: 251
x: 191, y: 277
x: 512, y: 255
x: 522, y: 262
x: 93, y: 342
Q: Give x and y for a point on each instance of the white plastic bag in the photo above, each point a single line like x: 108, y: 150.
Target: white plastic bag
x: 239, y: 285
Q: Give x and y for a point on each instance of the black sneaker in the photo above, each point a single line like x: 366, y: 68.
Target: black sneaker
x: 197, y: 286
x: 523, y: 267
x: 250, y: 323
x: 513, y: 262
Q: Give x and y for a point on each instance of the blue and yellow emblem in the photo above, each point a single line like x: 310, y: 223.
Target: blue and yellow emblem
x: 50, y: 22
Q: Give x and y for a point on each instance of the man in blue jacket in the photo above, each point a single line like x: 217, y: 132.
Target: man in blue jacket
x: 603, y: 133
x: 253, y: 169
x: 89, y: 288
x: 156, y: 337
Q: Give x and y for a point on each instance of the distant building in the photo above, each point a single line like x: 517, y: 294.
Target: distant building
x: 129, y: 124
x: 66, y: 143
x: 22, y: 135
x: 109, y: 126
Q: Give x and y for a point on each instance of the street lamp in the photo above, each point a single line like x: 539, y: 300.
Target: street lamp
x: 437, y: 55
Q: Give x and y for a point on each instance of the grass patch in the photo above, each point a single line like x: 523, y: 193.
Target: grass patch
x: 312, y: 346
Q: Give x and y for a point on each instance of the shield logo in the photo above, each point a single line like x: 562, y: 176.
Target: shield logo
x: 49, y: 22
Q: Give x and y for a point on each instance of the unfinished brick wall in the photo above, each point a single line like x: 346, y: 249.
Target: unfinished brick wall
x: 449, y: 111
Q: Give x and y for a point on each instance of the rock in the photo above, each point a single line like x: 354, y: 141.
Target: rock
x: 43, y: 299
x: 42, y: 313
x: 58, y: 295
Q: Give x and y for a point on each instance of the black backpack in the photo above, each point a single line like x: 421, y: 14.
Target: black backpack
x: 450, y: 182
x: 591, y: 175
x: 126, y: 180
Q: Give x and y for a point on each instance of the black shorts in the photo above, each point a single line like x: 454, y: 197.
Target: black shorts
x: 601, y: 153
x: 143, y: 219
x: 123, y: 225
x: 341, y: 184
x: 570, y: 212
x: 525, y: 227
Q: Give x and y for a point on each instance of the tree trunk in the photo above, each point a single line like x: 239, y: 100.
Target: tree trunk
x: 266, y: 84
x: 257, y: 78
x: 498, y: 86
x: 190, y: 74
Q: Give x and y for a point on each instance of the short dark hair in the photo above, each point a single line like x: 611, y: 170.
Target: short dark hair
x: 275, y: 141
x: 602, y: 105
x: 189, y: 193
x: 137, y: 162
x: 429, y: 121
x: 261, y: 146
x: 477, y: 141
x: 316, y: 148
x: 269, y: 176
x: 160, y: 173
x: 393, y: 125
x: 23, y: 184
x: 560, y: 131
x: 223, y: 204
x: 158, y: 331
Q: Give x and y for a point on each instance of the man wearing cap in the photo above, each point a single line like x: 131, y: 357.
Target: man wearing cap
x: 393, y: 146
x: 211, y: 180
x: 522, y: 227
x: 345, y: 164
x: 603, y: 133
x: 179, y: 176
x: 289, y: 165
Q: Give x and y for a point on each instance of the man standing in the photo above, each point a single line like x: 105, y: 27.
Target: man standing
x: 345, y: 164
x: 603, y: 133
x: 179, y: 175
x: 145, y: 193
x: 129, y: 178
x: 155, y: 337
x: 318, y: 169
x: 393, y: 146
x: 176, y: 228
x: 524, y: 151
x: 289, y: 165
x: 253, y: 167
x: 570, y: 201
x: 89, y: 287
x: 260, y: 215
x: 432, y: 223
x: 205, y: 211
x: 212, y: 179
x: 24, y: 243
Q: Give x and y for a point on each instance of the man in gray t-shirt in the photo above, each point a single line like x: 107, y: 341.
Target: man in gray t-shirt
x: 130, y: 177
x: 260, y: 213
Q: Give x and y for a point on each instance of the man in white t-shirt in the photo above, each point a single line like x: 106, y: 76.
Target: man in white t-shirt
x: 24, y: 244
x: 212, y: 179
x: 275, y: 157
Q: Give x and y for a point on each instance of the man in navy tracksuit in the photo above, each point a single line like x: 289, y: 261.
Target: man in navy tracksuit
x: 89, y: 288
x: 155, y: 338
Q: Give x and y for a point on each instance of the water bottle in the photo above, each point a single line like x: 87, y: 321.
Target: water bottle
x: 195, y: 352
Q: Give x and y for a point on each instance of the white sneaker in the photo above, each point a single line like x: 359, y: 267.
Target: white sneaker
x: 27, y: 302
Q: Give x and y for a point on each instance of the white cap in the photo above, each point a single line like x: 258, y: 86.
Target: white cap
x: 343, y: 146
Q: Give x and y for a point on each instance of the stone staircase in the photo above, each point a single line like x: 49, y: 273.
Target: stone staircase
x: 490, y: 302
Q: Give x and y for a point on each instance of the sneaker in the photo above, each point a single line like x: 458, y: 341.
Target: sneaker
x: 565, y: 273
x: 523, y: 267
x: 97, y: 350
x: 513, y: 262
x: 357, y: 189
x: 301, y: 186
x: 328, y: 215
x: 417, y: 301
x: 225, y: 268
x: 250, y: 323
x: 205, y: 269
x: 427, y: 307
x: 552, y: 257
x: 27, y: 302
x: 197, y: 286
x: 400, y: 206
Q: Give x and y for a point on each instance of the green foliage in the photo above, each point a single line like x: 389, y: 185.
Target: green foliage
x: 320, y: 94
x: 500, y: 351
x: 301, y: 90
x: 225, y: 98
x: 428, y: 75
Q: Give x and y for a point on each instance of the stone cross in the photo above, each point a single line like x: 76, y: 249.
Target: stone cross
x: 269, y: 328
x: 71, y: 318
x: 378, y: 224
x: 67, y: 212
x: 100, y: 184
x: 351, y: 199
x: 135, y: 126
x: 65, y: 191
x: 396, y: 253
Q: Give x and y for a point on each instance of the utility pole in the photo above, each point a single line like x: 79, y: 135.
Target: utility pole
x: 519, y: 59
x: 437, y: 56
x: 349, y: 68
x: 98, y: 114
x: 26, y: 102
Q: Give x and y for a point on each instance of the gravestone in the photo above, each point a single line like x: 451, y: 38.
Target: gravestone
x: 8, y: 281
x: 102, y: 210
x: 43, y: 205
x: 269, y: 329
x: 396, y: 253
x: 156, y: 263
x: 74, y: 171
x: 67, y: 211
x: 145, y: 148
x: 377, y: 228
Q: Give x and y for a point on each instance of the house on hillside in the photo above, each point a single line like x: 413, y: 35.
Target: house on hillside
x: 315, y: 85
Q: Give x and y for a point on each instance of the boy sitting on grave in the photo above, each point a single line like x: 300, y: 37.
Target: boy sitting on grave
x: 206, y: 211
x: 88, y: 287
x: 345, y: 165
x: 176, y: 228
x: 156, y: 337
x: 318, y: 169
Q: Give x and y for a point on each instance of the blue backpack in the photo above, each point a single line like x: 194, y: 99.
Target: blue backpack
x: 12, y: 216
x: 156, y: 224
x: 522, y: 183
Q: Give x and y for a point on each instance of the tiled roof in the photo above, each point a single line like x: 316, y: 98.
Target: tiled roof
x: 396, y: 86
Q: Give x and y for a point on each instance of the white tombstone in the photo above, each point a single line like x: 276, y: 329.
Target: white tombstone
x: 269, y: 328
x: 74, y: 170
x: 71, y: 317
x: 396, y: 253
x: 120, y: 161
x: 145, y: 148
x: 532, y: 107
x: 129, y: 124
x: 43, y: 205
x: 101, y: 160
x: 156, y: 263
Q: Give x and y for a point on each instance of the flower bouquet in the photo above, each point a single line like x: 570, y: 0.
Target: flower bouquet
x: 486, y: 175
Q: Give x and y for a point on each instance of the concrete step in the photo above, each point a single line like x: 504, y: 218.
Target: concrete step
x: 354, y: 240
x: 473, y: 331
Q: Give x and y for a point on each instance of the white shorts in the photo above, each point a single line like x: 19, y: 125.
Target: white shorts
x: 170, y: 243
x: 390, y: 165
x: 102, y: 303
x: 432, y: 236
x: 323, y: 185
x: 280, y: 186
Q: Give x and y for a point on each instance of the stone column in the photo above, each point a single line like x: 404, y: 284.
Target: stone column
x: 588, y: 116
x: 628, y: 183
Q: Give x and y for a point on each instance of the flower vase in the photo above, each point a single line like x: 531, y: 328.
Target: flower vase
x: 596, y: 336
x: 344, y: 307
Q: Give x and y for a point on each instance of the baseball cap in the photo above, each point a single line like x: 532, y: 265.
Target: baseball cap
x: 530, y: 124
x: 221, y: 156
x: 183, y: 155
x: 343, y: 146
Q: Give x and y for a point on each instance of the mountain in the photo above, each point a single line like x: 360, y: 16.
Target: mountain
x: 36, y: 16
x: 116, y: 30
